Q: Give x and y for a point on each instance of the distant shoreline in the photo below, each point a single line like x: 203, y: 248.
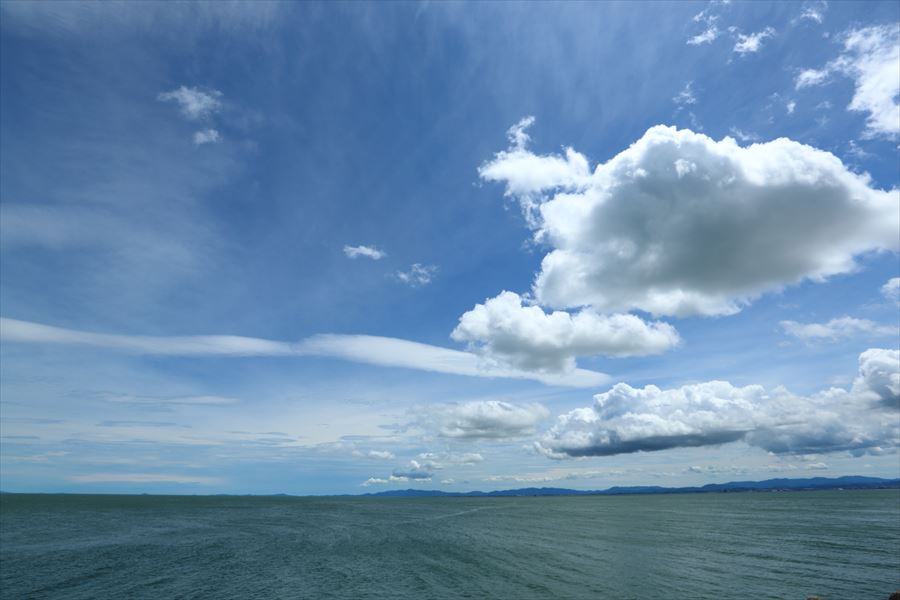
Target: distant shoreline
x: 849, y: 483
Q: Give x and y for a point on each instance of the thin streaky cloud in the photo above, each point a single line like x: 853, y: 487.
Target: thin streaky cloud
x: 144, y: 478
x: 367, y: 349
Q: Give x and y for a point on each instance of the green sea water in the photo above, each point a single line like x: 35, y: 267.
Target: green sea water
x: 835, y: 544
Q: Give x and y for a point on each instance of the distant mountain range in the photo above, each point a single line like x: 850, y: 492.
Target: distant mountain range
x: 850, y: 482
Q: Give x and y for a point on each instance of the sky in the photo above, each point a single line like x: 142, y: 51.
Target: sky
x: 344, y: 248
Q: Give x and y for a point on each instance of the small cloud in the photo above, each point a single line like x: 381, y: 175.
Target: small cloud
x: 206, y: 136
x: 748, y: 44
x: 366, y: 251
x: 708, y: 20
x: 518, y: 133
x: 813, y: 11
x: 508, y: 330
x: 374, y: 481
x: 811, y: 77
x: 790, y: 106
x: 418, y: 275
x: 856, y: 151
x: 195, y: 104
x: 743, y: 135
x: 380, y: 455
x: 415, y: 471
x: 685, y: 96
x: 706, y: 37
x: 891, y: 289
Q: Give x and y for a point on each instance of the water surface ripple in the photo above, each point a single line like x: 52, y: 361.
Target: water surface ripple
x: 835, y: 544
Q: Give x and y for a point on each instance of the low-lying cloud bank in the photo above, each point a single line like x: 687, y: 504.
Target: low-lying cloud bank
x: 863, y: 419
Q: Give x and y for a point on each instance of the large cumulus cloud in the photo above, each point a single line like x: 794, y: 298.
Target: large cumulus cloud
x: 626, y: 419
x: 681, y: 224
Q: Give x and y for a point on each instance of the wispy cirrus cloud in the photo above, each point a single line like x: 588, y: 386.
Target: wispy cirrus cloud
x: 375, y: 350
x: 139, y: 478
x: 835, y: 329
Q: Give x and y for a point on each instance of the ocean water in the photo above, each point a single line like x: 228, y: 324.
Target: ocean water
x: 835, y: 544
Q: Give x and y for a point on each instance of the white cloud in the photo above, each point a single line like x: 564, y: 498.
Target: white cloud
x: 367, y: 251
x: 176, y: 400
x: 415, y: 471
x: 482, y: 419
x: 891, y: 289
x: 811, y: 77
x: 790, y: 106
x: 625, y: 419
x: 685, y: 96
x: 518, y: 133
x: 872, y: 58
x: 383, y: 351
x: 143, y: 478
x: 380, y: 455
x: 705, y: 37
x: 417, y: 275
x: 375, y: 481
x: 879, y: 376
x: 814, y: 11
x: 705, y: 235
x: 748, y: 44
x: 744, y: 136
x: 194, y: 103
x: 525, y: 337
x: 708, y: 20
x: 843, y: 327
x: 206, y: 136
x: 52, y: 19
x: 439, y: 459
x: 526, y: 175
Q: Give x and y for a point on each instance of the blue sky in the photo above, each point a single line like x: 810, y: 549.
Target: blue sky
x: 439, y: 235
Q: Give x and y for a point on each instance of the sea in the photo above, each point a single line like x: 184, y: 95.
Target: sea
x: 784, y: 545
